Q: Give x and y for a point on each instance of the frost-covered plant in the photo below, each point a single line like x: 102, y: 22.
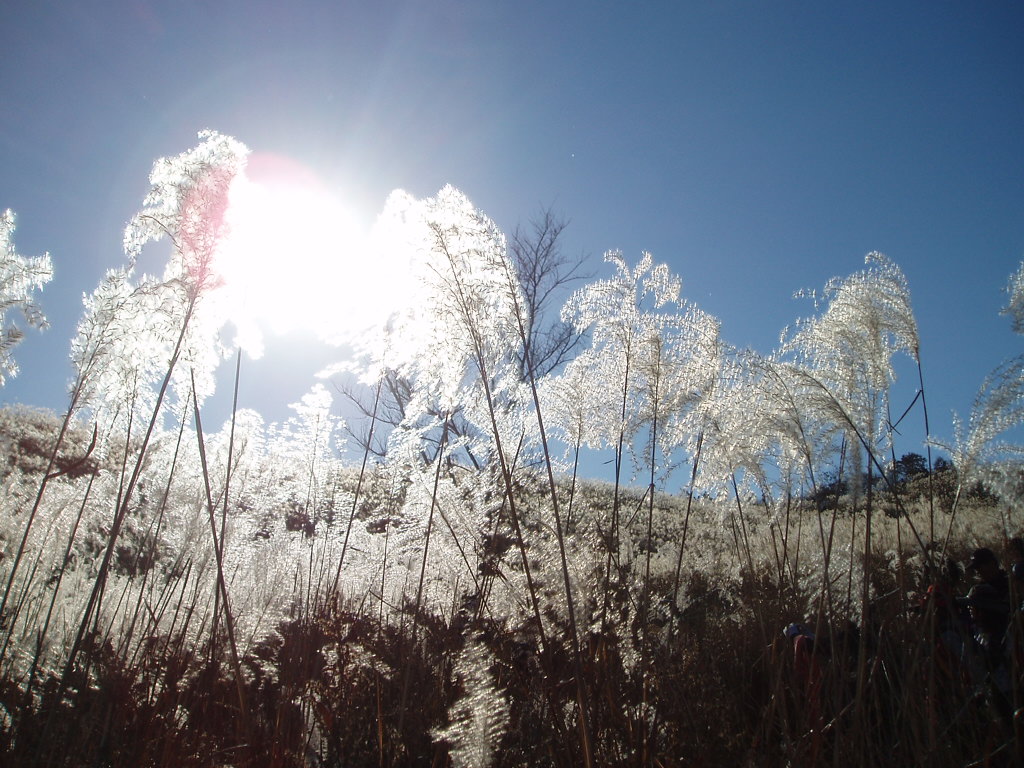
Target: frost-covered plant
x: 998, y: 408
x: 187, y: 203
x: 614, y: 312
x: 119, y: 352
x: 304, y: 445
x: 762, y: 422
x: 455, y: 343
x: 479, y: 718
x: 460, y: 309
x: 20, y: 278
x: 451, y: 348
x: 1014, y: 308
x: 648, y: 366
x: 846, y: 352
x: 653, y: 357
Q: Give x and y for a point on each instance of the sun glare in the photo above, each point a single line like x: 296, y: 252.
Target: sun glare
x: 297, y: 259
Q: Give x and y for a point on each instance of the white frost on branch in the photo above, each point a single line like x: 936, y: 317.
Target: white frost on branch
x: 188, y: 202
x: 136, y: 330
x: 846, y: 352
x: 479, y: 718
x: 998, y: 408
x: 20, y: 277
x: 1015, y: 308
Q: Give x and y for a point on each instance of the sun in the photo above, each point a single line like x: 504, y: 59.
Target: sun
x: 296, y: 257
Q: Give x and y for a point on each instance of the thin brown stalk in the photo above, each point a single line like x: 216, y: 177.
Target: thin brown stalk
x: 359, y: 483
x: 686, y: 521
x: 122, y: 508
x: 612, y: 545
x: 156, y: 527
x: 65, y: 561
x: 423, y: 572
x: 581, y: 691
x: 221, y: 583
x: 48, y: 475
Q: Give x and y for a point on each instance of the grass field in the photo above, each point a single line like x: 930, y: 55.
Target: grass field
x: 356, y: 673
x: 181, y: 595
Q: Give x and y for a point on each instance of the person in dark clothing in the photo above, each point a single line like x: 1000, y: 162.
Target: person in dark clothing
x: 985, y: 563
x: 989, y: 600
x: 990, y: 615
x: 989, y: 604
x: 951, y: 620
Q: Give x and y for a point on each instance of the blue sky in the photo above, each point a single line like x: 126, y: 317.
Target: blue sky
x: 757, y: 148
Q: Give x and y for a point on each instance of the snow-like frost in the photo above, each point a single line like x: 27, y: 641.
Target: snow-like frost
x: 20, y: 278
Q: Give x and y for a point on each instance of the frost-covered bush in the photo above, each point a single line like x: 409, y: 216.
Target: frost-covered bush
x: 20, y: 278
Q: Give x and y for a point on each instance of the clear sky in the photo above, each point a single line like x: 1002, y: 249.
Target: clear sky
x: 758, y: 148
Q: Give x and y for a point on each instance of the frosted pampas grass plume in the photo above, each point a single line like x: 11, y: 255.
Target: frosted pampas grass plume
x: 20, y: 277
x: 998, y: 408
x: 479, y: 718
x: 187, y: 202
x: 1014, y: 309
